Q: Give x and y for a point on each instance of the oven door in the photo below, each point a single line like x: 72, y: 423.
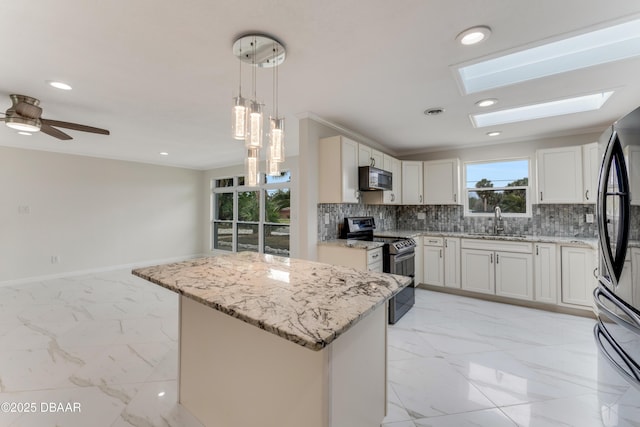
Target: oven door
x: 403, y: 264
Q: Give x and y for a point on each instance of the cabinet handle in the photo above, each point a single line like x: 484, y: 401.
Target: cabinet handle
x: 455, y: 198
x: 586, y: 195
x: 536, y: 249
x: 497, y: 259
x: 541, y: 196
x: 595, y: 272
x: 491, y: 259
x: 440, y: 253
x: 375, y: 255
x: 372, y: 162
x: 446, y: 243
x: 393, y: 197
x: 421, y: 198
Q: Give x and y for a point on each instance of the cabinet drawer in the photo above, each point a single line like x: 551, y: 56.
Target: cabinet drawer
x: 433, y: 241
x: 376, y: 266
x: 497, y: 245
x: 374, y: 255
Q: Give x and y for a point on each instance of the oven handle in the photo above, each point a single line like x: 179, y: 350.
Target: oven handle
x: 600, y: 331
x: 404, y: 257
x: 602, y: 291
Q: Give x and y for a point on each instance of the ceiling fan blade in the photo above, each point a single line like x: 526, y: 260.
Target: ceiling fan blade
x: 51, y: 131
x: 28, y: 110
x: 75, y: 126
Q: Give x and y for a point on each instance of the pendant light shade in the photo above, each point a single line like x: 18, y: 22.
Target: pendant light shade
x: 276, y: 139
x: 251, y: 168
x: 253, y: 138
x: 239, y: 118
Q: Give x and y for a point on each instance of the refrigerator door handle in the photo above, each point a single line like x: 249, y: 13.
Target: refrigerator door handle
x: 603, y: 292
x: 600, y: 332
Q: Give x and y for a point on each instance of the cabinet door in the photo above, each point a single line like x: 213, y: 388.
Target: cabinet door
x: 433, y: 265
x: 452, y: 262
x: 560, y: 175
x: 590, y: 171
x: 412, y: 183
x: 349, y: 169
x: 477, y: 270
x: 419, y: 260
x: 578, y: 281
x: 545, y: 273
x: 514, y: 275
x: 393, y: 165
x: 368, y: 156
x: 441, y: 182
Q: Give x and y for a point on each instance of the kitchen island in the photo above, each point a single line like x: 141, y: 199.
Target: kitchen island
x: 274, y: 341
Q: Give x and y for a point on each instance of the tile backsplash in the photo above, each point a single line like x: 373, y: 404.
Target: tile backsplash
x: 566, y: 220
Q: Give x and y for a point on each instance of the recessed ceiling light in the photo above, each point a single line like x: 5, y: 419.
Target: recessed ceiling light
x: 601, y: 46
x: 494, y: 133
x: 487, y: 102
x: 474, y: 35
x: 433, y: 111
x: 59, y: 85
x: 25, y: 133
x: 538, y: 111
x: 164, y: 153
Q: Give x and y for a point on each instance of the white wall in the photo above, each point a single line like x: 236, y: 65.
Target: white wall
x: 93, y: 213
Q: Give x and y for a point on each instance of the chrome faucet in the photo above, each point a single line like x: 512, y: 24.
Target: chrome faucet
x: 498, y: 227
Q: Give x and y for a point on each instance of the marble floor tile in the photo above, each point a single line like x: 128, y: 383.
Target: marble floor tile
x: 109, y: 342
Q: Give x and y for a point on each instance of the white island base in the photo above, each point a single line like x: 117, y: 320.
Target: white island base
x: 233, y: 374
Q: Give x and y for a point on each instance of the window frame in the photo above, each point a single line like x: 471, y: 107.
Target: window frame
x: 236, y: 189
x: 527, y: 188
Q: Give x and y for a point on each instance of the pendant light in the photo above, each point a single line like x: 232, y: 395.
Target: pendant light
x: 262, y: 52
x: 239, y: 115
x: 275, y: 155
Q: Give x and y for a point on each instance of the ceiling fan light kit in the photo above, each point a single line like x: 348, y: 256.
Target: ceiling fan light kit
x: 24, y: 115
x: 261, y: 51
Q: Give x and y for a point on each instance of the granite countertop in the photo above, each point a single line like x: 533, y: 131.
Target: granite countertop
x: 350, y: 243
x: 570, y: 241
x: 308, y: 303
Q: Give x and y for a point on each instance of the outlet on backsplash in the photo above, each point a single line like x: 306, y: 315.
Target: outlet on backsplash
x: 589, y: 218
x: 421, y: 215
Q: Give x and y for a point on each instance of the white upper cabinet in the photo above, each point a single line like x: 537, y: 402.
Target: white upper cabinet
x: 442, y: 182
x: 368, y: 156
x: 590, y: 171
x: 393, y: 165
x: 560, y: 175
x: 338, y: 170
x: 412, y: 182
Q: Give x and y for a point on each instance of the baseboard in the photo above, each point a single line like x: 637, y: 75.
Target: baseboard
x: 147, y: 263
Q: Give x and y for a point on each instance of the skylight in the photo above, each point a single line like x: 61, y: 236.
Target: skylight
x: 609, y: 44
x: 546, y: 109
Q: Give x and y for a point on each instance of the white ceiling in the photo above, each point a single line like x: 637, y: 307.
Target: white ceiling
x: 160, y: 74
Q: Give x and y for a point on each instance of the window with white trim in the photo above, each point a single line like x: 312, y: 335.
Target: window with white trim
x: 503, y: 183
x: 253, y: 219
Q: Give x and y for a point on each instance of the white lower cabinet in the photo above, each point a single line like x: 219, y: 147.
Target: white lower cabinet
x: 478, y: 274
x: 578, y: 275
x: 497, y: 267
x: 433, y: 261
x: 452, y: 262
x: 545, y: 273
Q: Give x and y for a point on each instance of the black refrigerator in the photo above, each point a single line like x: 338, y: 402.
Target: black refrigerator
x: 617, y: 297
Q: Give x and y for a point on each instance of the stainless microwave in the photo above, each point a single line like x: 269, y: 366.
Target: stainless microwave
x: 371, y: 179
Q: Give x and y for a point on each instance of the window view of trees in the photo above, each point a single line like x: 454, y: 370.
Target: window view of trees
x: 484, y: 196
x: 252, y: 220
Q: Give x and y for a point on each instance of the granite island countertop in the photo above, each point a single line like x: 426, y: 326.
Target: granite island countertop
x: 308, y: 303
x: 352, y: 243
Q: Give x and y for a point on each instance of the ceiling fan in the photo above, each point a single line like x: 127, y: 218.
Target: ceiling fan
x: 25, y: 115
